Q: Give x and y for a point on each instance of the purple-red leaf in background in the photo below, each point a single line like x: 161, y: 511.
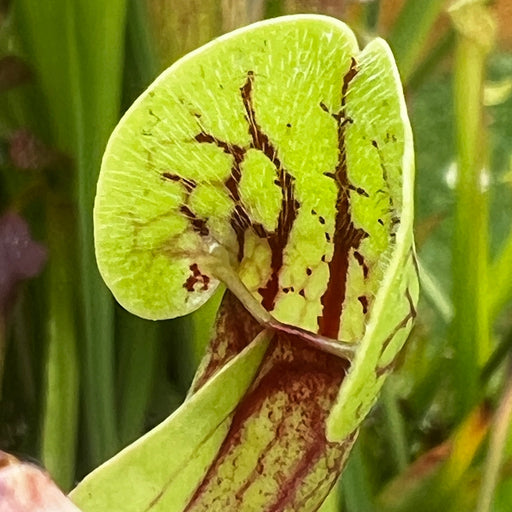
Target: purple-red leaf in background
x: 13, y: 72
x: 28, y: 153
x: 20, y: 256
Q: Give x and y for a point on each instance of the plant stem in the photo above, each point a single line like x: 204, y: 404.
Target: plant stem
x: 435, y: 294
x: 497, y: 357
x: 138, y: 340
x: 274, y: 8
x: 470, y: 327
x: 76, y: 50
x: 183, y: 26
x: 237, y: 13
x: 141, y: 60
x: 395, y: 427
x: 61, y: 383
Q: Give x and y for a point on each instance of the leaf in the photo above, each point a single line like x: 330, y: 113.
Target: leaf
x: 162, y: 468
x: 208, y: 176
x: 275, y: 453
x: 394, y: 304
x: 269, y: 450
x: 277, y: 159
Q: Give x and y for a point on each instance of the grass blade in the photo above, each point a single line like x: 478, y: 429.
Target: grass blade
x: 410, y: 32
x: 61, y: 389
x: 98, y: 30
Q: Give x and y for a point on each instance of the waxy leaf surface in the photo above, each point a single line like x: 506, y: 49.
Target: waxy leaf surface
x: 276, y: 151
x: 161, y: 470
x: 225, y: 450
x: 278, y: 159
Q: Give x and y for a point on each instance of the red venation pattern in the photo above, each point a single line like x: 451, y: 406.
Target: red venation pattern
x: 346, y: 236
x: 309, y: 381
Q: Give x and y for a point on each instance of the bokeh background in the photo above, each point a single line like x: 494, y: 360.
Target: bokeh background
x: 80, y: 378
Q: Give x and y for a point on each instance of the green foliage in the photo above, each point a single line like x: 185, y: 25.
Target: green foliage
x: 70, y: 102
x: 200, y: 185
x: 160, y: 470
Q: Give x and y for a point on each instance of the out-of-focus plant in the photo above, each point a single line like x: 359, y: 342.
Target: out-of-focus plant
x: 21, y: 258
x: 53, y: 61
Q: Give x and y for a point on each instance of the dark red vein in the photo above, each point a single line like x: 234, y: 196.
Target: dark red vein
x: 309, y: 381
x: 277, y: 239
x: 346, y: 236
x: 240, y: 220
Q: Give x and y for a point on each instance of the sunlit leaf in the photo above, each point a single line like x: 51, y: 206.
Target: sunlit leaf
x: 209, y: 174
x: 161, y: 470
x: 277, y: 159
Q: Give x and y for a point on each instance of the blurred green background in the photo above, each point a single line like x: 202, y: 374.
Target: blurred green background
x: 80, y: 378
